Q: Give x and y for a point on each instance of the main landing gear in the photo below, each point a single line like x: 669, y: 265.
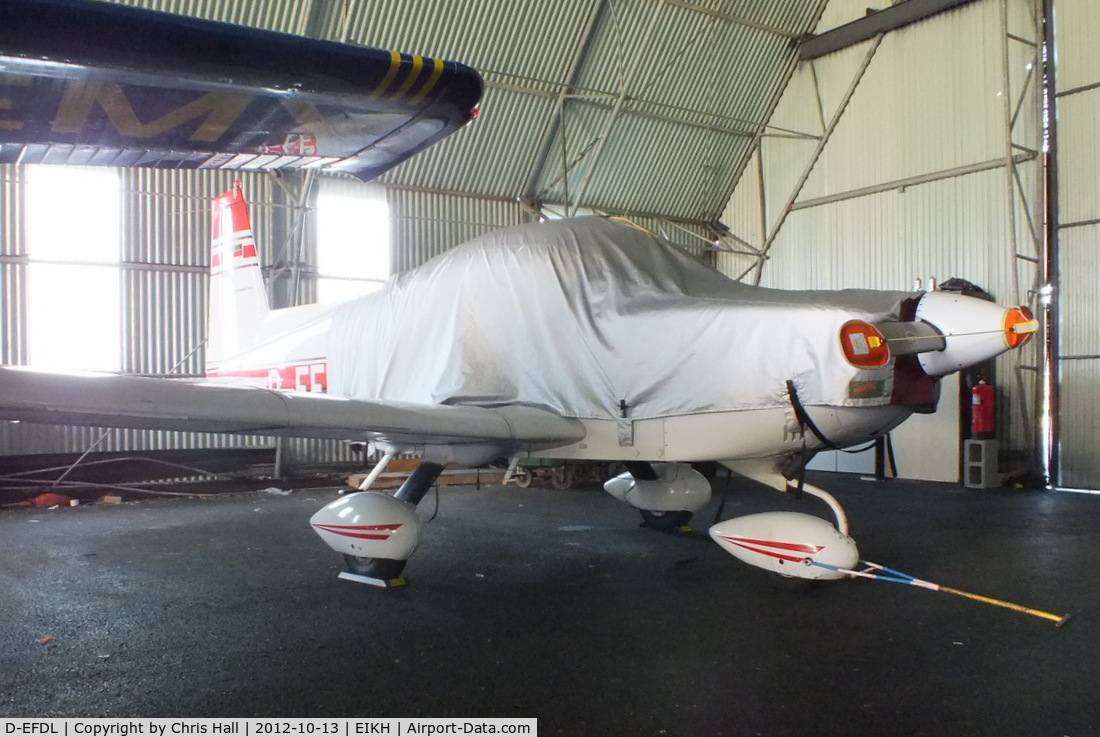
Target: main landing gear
x: 666, y: 494
x: 666, y: 521
x: 796, y: 549
x: 377, y: 532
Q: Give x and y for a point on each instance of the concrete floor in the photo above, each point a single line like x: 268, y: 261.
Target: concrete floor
x: 557, y: 605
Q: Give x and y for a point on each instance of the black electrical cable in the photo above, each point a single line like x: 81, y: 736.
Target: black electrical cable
x: 805, y: 422
x: 725, y: 495
x: 436, y: 510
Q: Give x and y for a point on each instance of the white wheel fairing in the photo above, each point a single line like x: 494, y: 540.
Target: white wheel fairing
x: 369, y: 524
x: 678, y: 488
x: 786, y: 543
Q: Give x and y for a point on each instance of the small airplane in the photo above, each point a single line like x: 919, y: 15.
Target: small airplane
x: 101, y: 84
x: 580, y: 339
x: 577, y: 339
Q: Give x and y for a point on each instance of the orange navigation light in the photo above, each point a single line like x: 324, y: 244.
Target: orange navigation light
x: 1019, y: 326
x: 863, y: 344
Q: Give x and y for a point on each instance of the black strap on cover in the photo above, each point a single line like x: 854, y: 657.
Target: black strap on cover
x: 804, y: 422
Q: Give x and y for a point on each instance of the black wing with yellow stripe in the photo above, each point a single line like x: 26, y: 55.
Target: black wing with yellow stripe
x: 94, y: 83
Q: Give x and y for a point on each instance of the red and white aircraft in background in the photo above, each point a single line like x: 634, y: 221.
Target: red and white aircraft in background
x: 574, y: 339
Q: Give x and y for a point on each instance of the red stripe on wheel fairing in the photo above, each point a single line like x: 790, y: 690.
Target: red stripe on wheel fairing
x: 797, y: 547
x: 362, y: 532
x: 751, y: 546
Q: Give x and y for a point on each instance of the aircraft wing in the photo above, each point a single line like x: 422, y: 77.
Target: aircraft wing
x: 95, y: 83
x: 113, y: 400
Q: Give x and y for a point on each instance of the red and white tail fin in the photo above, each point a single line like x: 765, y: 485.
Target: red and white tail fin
x: 238, y: 300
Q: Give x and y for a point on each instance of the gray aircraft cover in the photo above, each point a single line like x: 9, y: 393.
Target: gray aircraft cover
x: 578, y: 315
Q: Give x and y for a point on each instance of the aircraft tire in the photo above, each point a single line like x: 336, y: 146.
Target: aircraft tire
x: 563, y: 478
x: 385, y: 569
x: 791, y: 584
x: 665, y: 521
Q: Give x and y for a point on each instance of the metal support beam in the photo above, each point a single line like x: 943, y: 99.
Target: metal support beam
x: 818, y: 150
x: 559, y: 210
x: 935, y: 176
x: 287, y: 266
x: 557, y: 117
x: 1006, y: 110
x: 864, y: 29
x: 1023, y: 206
x: 317, y: 15
x: 733, y: 19
x: 1049, y: 404
x: 620, y: 106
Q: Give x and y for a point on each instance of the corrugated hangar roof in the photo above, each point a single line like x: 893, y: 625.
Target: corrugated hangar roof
x: 627, y: 106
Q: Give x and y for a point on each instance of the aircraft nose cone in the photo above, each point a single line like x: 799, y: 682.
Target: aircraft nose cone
x: 974, y: 330
x: 1019, y: 326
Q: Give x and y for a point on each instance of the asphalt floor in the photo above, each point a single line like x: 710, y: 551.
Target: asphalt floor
x: 559, y: 605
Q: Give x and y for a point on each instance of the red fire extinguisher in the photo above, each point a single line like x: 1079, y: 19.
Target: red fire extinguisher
x: 981, y: 409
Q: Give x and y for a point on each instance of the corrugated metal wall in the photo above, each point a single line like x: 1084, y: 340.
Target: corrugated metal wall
x: 274, y: 15
x: 928, y: 103
x: 165, y: 254
x: 657, y: 101
x: 698, y: 80
x: 425, y: 224
x: 913, y: 181
x: 1077, y: 87
x: 689, y: 61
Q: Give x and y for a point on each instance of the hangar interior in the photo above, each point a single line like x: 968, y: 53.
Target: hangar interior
x: 798, y: 144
